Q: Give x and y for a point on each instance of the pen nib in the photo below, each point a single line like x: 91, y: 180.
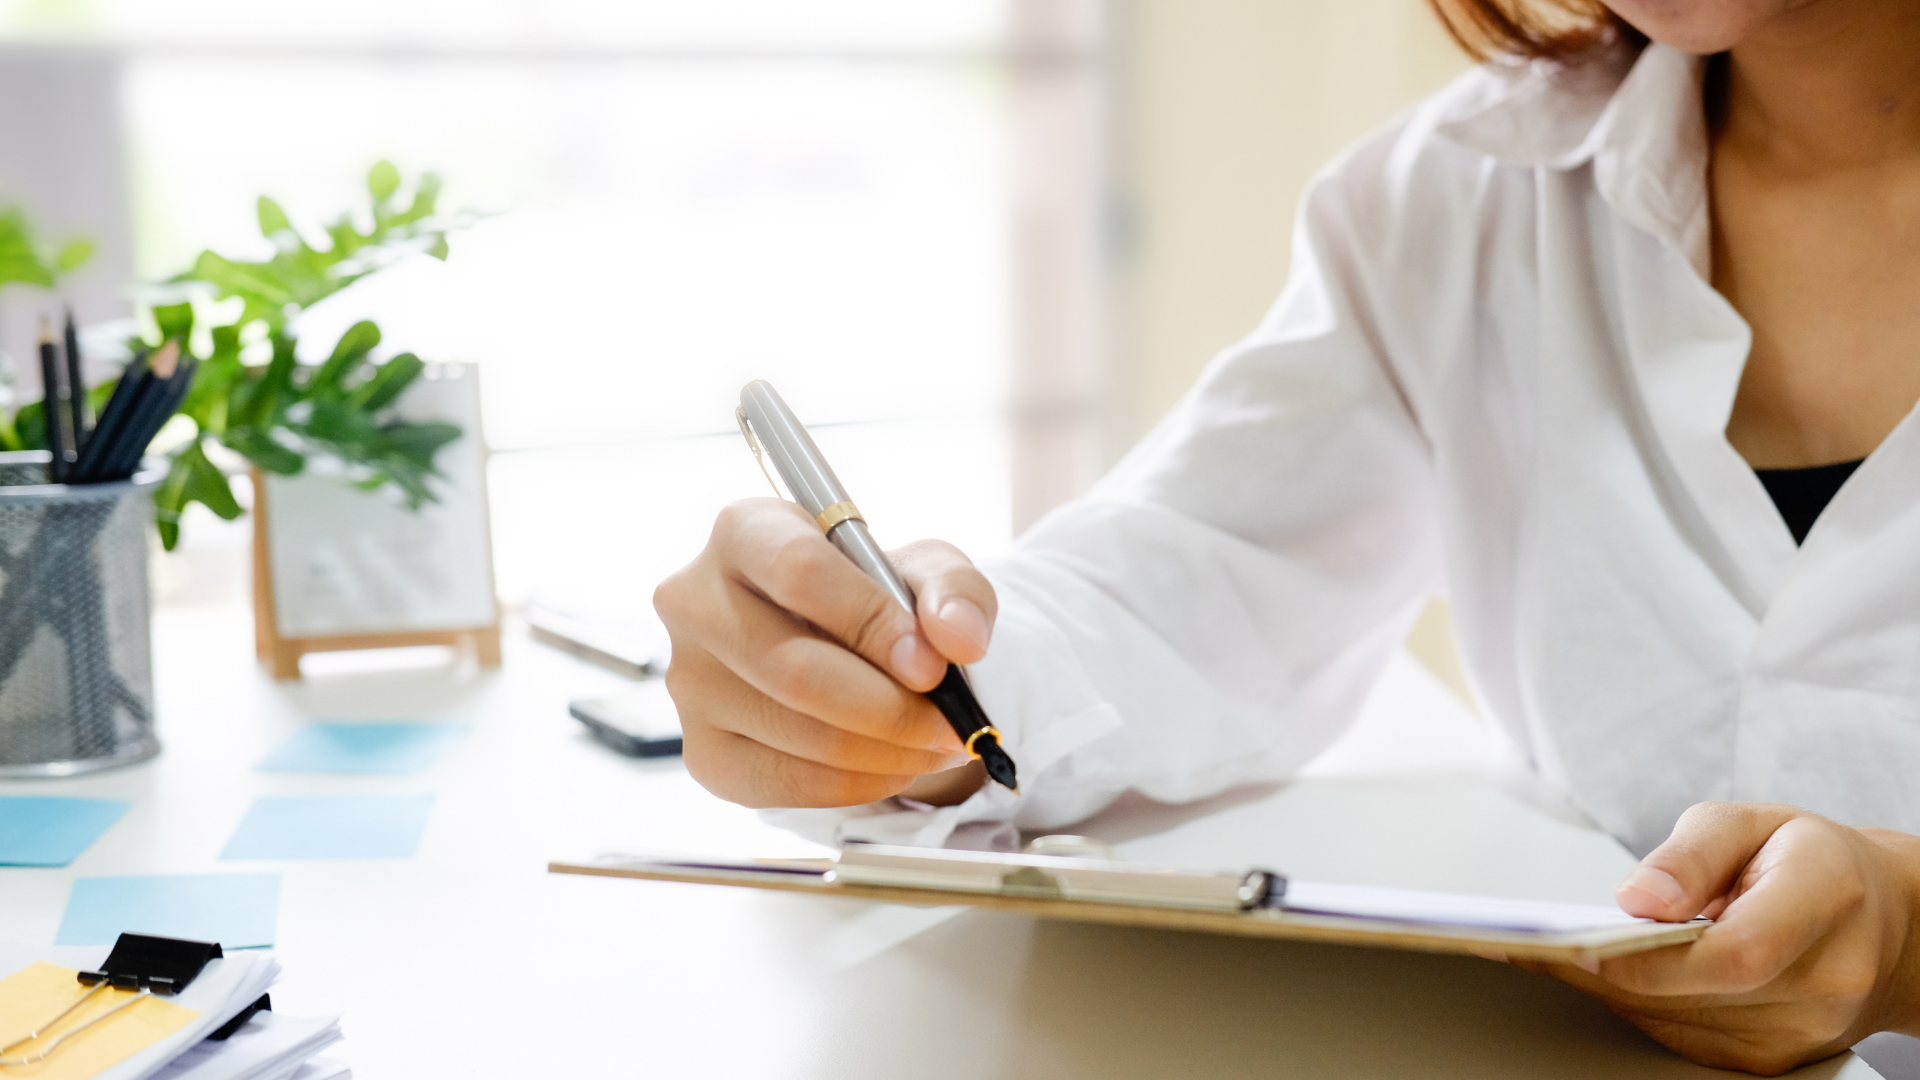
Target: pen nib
x: 999, y: 765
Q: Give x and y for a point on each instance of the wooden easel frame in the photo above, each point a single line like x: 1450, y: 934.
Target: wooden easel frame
x: 282, y: 654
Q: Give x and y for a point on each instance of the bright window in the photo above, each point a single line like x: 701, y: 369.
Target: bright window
x: 689, y: 196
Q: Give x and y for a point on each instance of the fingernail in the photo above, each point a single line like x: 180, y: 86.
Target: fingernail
x: 1588, y: 965
x: 915, y: 661
x: 1488, y: 952
x: 1657, y: 885
x: 963, y: 618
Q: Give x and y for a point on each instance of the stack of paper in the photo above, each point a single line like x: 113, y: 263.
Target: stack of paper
x: 165, y: 1036
x: 267, y: 1047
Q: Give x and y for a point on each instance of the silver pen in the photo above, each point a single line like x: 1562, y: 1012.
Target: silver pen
x: 814, y: 486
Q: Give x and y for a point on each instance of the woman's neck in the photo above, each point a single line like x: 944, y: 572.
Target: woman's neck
x: 1815, y: 180
x: 1832, y: 84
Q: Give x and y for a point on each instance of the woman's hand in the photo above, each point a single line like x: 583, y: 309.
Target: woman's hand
x: 799, y: 681
x: 1810, y: 950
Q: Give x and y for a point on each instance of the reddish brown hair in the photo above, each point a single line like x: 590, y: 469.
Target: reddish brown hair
x: 1533, y: 29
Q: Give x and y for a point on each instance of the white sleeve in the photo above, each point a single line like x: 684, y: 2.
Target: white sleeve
x: 1215, y: 610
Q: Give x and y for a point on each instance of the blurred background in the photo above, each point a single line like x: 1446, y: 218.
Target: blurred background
x: 981, y: 245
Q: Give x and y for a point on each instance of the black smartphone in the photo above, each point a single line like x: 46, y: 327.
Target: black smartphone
x: 639, y: 723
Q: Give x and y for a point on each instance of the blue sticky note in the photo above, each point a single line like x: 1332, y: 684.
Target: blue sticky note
x: 394, y: 748
x: 240, y: 911
x: 42, y: 830
x: 331, y: 827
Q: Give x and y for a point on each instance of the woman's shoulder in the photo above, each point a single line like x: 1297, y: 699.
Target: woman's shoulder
x: 1428, y: 218
x: 1477, y: 141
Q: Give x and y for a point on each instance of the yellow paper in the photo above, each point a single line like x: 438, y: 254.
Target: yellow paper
x: 32, y: 996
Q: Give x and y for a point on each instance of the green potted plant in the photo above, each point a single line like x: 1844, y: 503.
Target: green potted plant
x: 253, y: 394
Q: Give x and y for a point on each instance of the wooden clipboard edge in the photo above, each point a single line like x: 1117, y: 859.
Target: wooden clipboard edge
x: 1331, y: 929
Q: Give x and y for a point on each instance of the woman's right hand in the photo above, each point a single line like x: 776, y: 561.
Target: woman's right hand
x: 799, y: 681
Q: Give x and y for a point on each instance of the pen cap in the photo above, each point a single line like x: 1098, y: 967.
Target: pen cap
x: 801, y: 465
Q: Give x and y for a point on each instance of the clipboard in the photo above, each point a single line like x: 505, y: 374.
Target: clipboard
x: 1301, y: 911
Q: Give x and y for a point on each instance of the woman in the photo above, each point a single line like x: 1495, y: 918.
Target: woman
x: 1595, y: 338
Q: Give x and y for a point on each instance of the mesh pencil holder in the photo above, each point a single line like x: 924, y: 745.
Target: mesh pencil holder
x: 76, y: 676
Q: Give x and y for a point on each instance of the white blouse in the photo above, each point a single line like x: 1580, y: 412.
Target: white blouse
x: 1499, y: 371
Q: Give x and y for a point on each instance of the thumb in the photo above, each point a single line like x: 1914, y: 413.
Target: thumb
x: 1710, y: 847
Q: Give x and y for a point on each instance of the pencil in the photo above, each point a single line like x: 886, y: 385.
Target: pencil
x: 129, y: 442
x: 76, y: 387
x: 165, y: 398
x: 50, y: 410
x: 112, y: 415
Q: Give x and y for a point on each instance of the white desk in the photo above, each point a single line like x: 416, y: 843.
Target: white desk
x: 470, y: 961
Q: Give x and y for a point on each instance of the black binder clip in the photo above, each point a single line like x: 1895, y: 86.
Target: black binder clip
x: 141, y: 963
x: 158, y: 964
x: 263, y: 1003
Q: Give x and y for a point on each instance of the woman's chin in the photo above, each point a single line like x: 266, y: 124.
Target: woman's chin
x: 1701, y: 27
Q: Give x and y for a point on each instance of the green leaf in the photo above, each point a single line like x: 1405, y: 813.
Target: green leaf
x: 266, y: 294
x: 346, y: 239
x: 263, y: 399
x: 191, y: 478
x: 22, y: 261
x: 425, y: 195
x: 207, y: 484
x: 387, y: 383
x: 226, y: 345
x: 273, y: 220
x: 18, y: 259
x: 413, y: 485
x: 174, y: 321
x: 383, y: 180
x: 340, y: 423
x: 170, y: 501
x: 73, y: 255
x: 355, y: 344
x: 260, y: 448
x: 30, y: 426
x: 419, y: 442
x: 210, y: 398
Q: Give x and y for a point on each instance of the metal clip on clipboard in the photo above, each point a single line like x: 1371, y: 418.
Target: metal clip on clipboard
x: 139, y: 962
x: 1030, y: 876
x: 1054, y: 877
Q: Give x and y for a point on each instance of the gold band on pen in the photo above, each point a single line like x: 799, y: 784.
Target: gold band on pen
x: 843, y: 510
x: 975, y: 737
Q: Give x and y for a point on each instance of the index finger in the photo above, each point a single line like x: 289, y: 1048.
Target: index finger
x: 957, y: 604
x: 783, y: 556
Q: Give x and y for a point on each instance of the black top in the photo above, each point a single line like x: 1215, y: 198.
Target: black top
x: 1800, y: 494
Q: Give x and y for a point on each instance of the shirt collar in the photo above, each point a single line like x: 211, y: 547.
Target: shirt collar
x: 1638, y: 121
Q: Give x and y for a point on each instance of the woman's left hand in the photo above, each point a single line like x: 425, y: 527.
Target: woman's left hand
x: 1809, y: 952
